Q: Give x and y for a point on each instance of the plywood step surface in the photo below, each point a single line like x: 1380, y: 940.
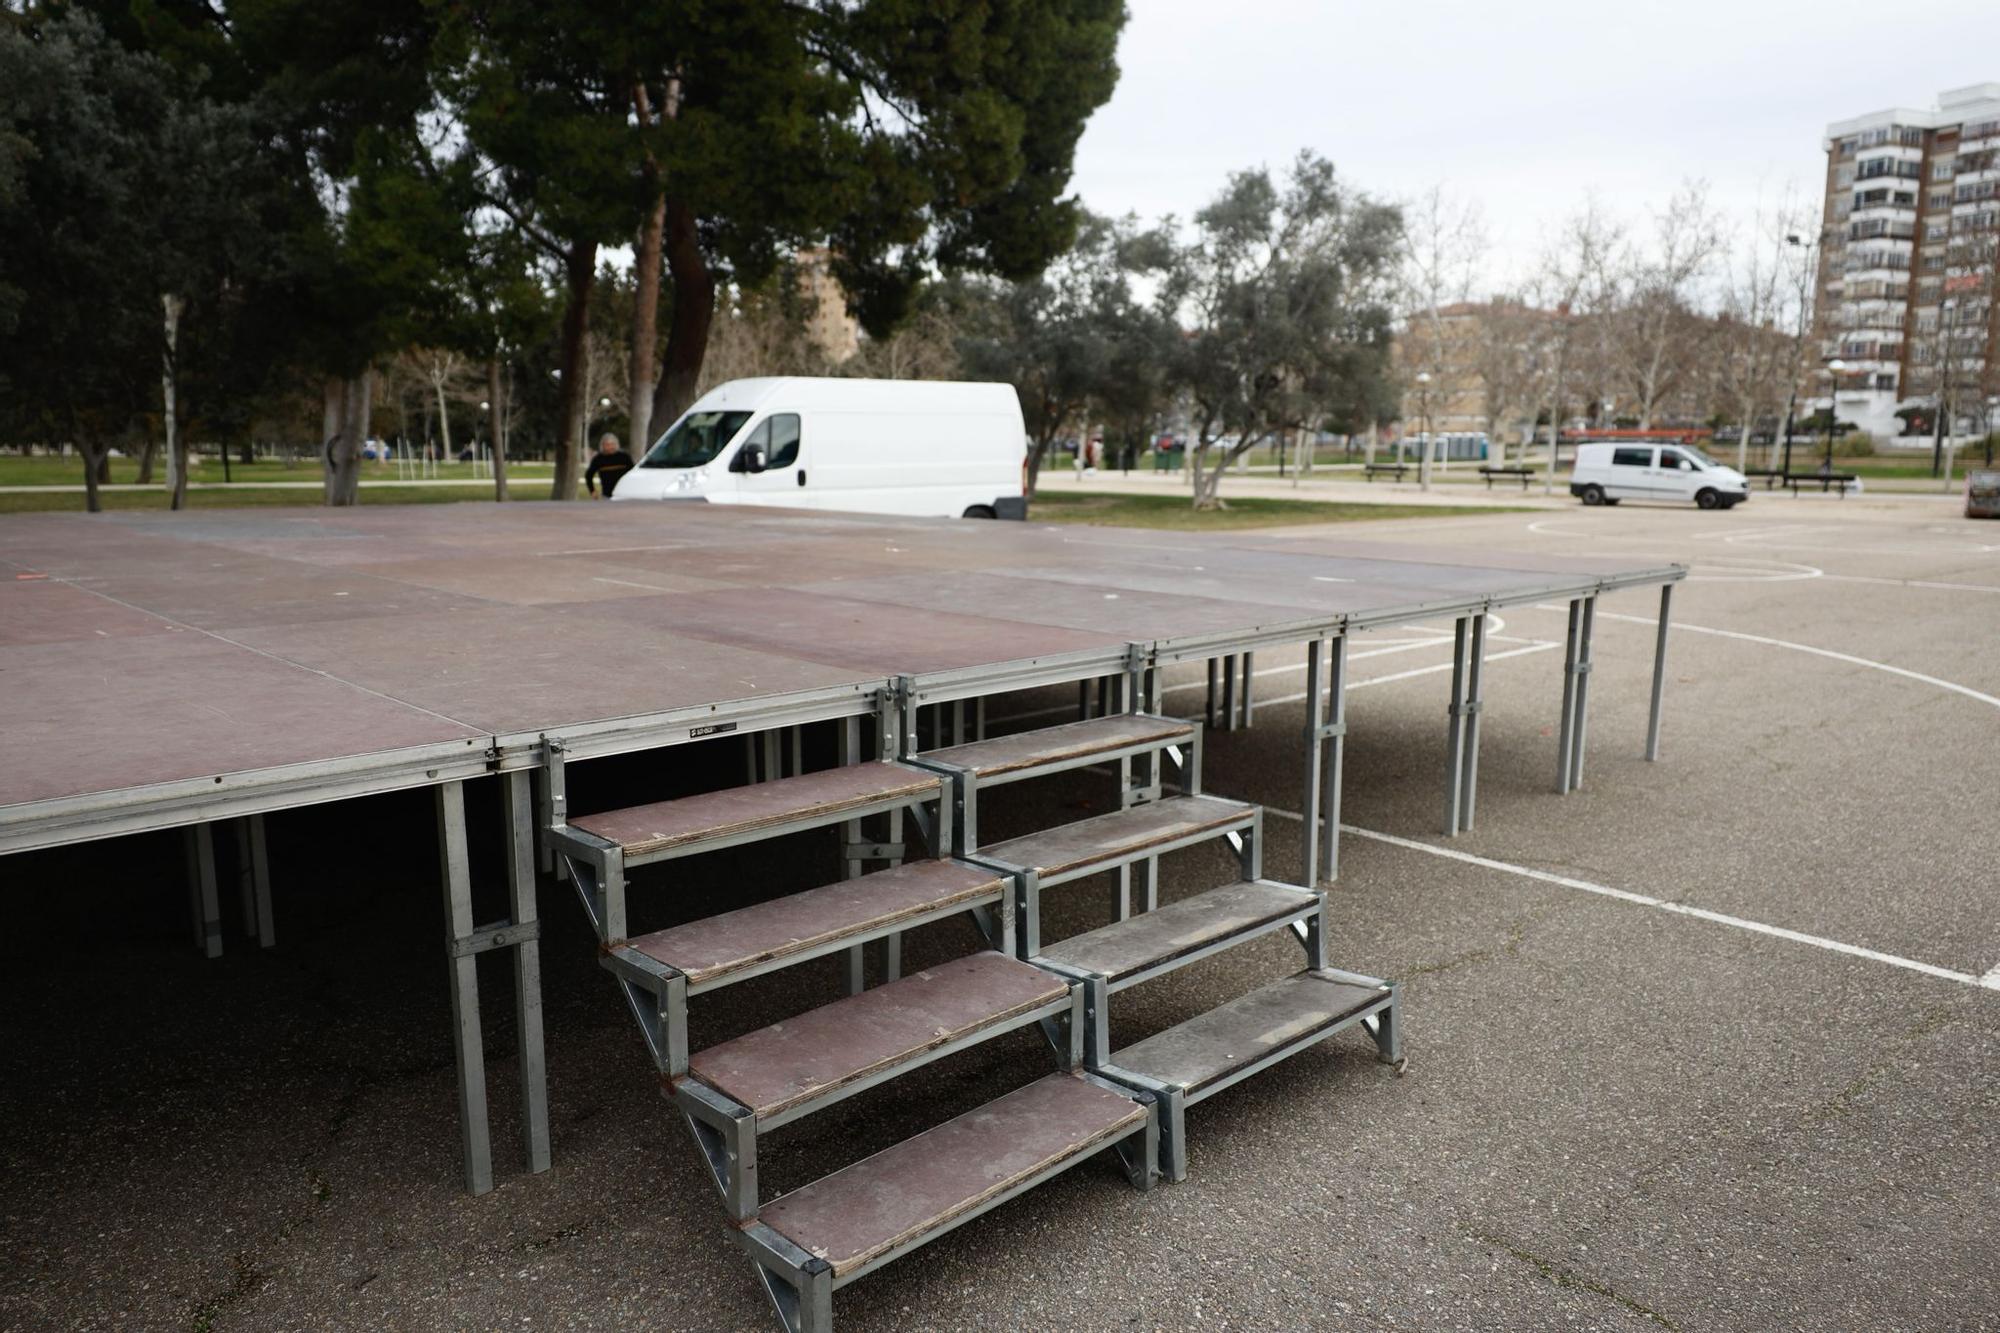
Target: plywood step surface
x: 1070, y: 743
x: 805, y: 925
x: 1153, y: 940
x: 826, y: 1050
x: 923, y: 1185
x: 1206, y: 1050
x: 826, y: 796
x: 1107, y: 840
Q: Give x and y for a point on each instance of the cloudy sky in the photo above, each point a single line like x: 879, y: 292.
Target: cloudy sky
x: 1523, y: 107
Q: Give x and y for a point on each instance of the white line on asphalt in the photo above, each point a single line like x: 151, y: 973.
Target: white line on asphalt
x: 1917, y: 583
x: 1849, y: 658
x: 1991, y: 981
x: 627, y: 583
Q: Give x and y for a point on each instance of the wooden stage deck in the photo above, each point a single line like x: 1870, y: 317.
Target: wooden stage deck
x: 148, y: 660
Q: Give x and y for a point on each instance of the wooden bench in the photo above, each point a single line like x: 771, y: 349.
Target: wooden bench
x: 1397, y: 468
x: 1491, y: 473
x: 1824, y: 480
x: 1771, y: 475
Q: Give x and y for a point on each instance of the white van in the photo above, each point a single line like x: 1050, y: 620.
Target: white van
x: 1607, y: 473
x: 914, y: 447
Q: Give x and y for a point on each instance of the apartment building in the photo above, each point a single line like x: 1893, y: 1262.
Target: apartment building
x: 1906, y: 273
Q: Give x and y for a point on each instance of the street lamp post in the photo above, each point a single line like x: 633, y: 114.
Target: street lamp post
x: 1833, y: 369
x: 1424, y: 413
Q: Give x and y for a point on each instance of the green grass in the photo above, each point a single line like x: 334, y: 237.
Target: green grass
x: 41, y: 470
x: 1177, y: 511
x: 54, y: 501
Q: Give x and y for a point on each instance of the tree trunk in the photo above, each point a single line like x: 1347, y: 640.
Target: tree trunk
x: 95, y: 455
x: 348, y: 404
x: 694, y: 312
x: 147, y: 452
x: 1743, y: 441
x: 496, y: 417
x: 646, y: 326
x: 444, y: 417
x: 580, y: 271
x: 171, y: 307
x: 1036, y: 451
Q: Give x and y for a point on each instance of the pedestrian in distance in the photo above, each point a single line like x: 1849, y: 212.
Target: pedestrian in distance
x: 609, y: 463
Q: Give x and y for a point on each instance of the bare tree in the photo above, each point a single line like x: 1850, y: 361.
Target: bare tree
x: 1504, y: 352
x: 1657, y: 332
x: 1755, y: 357
x: 1575, y: 280
x: 1443, y: 242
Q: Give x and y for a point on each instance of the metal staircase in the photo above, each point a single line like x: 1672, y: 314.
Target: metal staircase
x: 816, y: 1239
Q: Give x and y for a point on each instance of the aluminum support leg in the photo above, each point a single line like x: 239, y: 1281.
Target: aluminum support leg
x: 1455, y: 727
x: 455, y: 870
x: 519, y: 834
x: 1336, y: 752
x: 1475, y: 703
x: 204, y: 902
x: 1582, y: 724
x: 1569, y: 698
x: 1316, y: 664
x: 253, y: 871
x: 1208, y: 714
x: 1660, y: 672
x: 1249, y: 666
x: 1229, y: 693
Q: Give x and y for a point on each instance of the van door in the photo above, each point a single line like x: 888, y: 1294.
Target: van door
x: 783, y: 478
x: 1630, y: 476
x: 1675, y: 476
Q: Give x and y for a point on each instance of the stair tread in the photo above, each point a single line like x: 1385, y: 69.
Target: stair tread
x: 1124, y: 947
x: 664, y: 825
x: 1071, y: 741
x: 802, y: 1059
x: 801, y: 924
x: 921, y: 1185
x: 1211, y: 1046
x: 1103, y: 838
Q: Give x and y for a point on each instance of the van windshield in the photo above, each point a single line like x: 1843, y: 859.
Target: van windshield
x: 1701, y: 460
x: 695, y: 439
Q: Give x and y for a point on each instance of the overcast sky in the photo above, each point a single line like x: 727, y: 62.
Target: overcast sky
x: 1521, y: 107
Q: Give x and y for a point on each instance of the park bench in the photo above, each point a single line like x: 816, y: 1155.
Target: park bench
x: 1490, y: 473
x: 1824, y: 480
x: 1771, y: 475
x: 1397, y: 468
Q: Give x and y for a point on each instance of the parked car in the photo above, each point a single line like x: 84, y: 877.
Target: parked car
x: 1982, y: 494
x: 916, y: 447
x: 1608, y: 473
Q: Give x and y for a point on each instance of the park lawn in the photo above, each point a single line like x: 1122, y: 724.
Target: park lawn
x: 233, y: 497
x: 1178, y: 512
x: 43, y: 470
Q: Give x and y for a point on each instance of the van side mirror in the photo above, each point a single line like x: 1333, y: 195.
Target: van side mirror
x: 750, y: 458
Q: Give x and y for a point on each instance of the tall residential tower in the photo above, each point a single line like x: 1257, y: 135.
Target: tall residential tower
x: 1907, y: 277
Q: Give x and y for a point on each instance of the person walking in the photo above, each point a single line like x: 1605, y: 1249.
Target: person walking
x: 609, y: 462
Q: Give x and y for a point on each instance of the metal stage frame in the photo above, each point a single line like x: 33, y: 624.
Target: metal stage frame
x: 898, y: 701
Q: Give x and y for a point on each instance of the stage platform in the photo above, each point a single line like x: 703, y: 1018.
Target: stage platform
x: 163, y: 669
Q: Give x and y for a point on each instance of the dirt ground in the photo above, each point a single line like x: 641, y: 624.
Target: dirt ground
x: 1712, y: 1043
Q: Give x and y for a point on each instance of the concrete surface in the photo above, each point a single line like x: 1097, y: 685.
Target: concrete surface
x: 1617, y: 1115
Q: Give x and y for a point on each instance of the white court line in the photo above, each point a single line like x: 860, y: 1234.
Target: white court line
x: 1991, y: 981
x: 1849, y: 658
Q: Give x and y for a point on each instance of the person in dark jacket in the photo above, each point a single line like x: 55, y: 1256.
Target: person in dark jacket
x: 609, y: 462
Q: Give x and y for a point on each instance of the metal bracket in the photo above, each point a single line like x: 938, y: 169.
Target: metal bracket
x: 1579, y: 668
x: 499, y: 935
x: 873, y: 851
x: 1327, y: 731
x: 1466, y: 709
x: 493, y: 758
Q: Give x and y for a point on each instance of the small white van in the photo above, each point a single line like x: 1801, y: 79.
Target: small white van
x: 1608, y: 473
x: 911, y: 447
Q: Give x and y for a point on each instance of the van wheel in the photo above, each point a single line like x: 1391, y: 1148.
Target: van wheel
x: 1707, y: 499
x: 979, y: 511
x: 1609, y: 501
x: 1593, y: 495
